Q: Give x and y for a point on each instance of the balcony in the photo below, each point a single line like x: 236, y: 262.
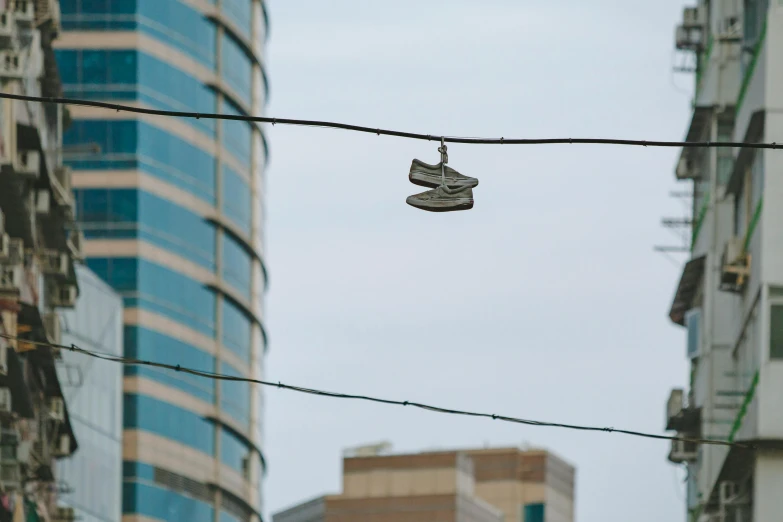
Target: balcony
x: 680, y: 418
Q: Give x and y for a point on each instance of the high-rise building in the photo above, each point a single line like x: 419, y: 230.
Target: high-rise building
x: 480, y: 485
x: 730, y: 293
x: 173, y: 220
x: 39, y: 246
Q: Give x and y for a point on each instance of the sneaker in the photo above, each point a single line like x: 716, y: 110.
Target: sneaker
x: 426, y: 175
x: 443, y: 199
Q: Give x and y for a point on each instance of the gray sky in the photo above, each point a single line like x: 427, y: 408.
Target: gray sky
x: 546, y: 301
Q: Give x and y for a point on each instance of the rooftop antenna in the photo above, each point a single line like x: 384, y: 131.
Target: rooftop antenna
x: 368, y: 450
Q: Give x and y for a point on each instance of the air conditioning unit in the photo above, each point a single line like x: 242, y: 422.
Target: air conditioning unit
x: 6, y: 406
x: 63, y: 447
x: 55, y: 263
x: 12, y: 64
x: 15, y: 251
x: 57, y: 409
x: 7, y: 29
x: 62, y: 295
x: 28, y: 163
x: 9, y: 438
x: 694, y: 17
x: 683, y: 451
x: 10, y: 278
x: 690, y: 38
x: 9, y: 441
x: 735, y: 265
x: 685, y: 169
x: 64, y: 514
x: 10, y: 476
x: 43, y: 202
x: 24, y: 11
x: 52, y: 325
x: 246, y: 466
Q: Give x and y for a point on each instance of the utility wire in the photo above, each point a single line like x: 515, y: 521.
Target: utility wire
x: 437, y: 409
x: 387, y: 132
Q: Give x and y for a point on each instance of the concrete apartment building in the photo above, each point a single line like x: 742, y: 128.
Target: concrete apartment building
x: 484, y: 485
x: 730, y: 294
x: 172, y: 215
x: 39, y: 248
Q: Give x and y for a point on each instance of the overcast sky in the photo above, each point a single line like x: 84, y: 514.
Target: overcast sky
x: 545, y: 301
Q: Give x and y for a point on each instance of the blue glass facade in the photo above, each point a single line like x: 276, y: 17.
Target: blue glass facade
x: 93, y: 391
x: 171, y: 214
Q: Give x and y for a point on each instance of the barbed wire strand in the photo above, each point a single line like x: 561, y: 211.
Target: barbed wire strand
x: 387, y: 132
x: 218, y: 376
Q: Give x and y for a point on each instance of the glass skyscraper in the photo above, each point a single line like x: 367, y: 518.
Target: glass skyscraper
x: 172, y: 214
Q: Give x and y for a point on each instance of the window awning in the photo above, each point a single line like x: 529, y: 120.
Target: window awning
x: 686, y: 290
x: 700, y: 123
x: 753, y: 134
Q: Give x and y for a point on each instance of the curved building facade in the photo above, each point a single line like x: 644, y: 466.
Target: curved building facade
x: 172, y: 212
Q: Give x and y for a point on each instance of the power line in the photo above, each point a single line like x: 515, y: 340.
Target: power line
x: 336, y: 395
x: 387, y: 132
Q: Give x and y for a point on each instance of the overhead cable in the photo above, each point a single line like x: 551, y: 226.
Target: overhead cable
x: 387, y: 132
x: 437, y: 409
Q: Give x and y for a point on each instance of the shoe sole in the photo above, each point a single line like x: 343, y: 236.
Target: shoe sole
x: 433, y: 181
x: 466, y: 205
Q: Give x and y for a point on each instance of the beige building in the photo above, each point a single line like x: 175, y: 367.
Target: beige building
x: 485, y: 485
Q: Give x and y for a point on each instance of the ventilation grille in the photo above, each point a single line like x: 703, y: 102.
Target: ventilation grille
x: 236, y: 507
x: 197, y: 490
x: 182, y: 484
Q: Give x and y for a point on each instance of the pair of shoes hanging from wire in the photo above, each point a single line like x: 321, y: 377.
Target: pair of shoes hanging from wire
x: 451, y: 192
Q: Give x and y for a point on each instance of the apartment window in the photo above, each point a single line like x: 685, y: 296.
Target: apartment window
x: 142, y: 412
x: 739, y: 211
x: 725, y: 155
x: 235, y: 396
x: 237, y: 135
x: 776, y: 332
x: 237, y: 199
x: 160, y: 503
x: 756, y: 179
x: 237, y: 265
x: 141, y: 343
x: 237, y: 67
x: 240, y: 12
x: 755, y: 16
x: 693, y: 325
x: 742, y: 210
x: 533, y: 513
x: 237, y: 328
